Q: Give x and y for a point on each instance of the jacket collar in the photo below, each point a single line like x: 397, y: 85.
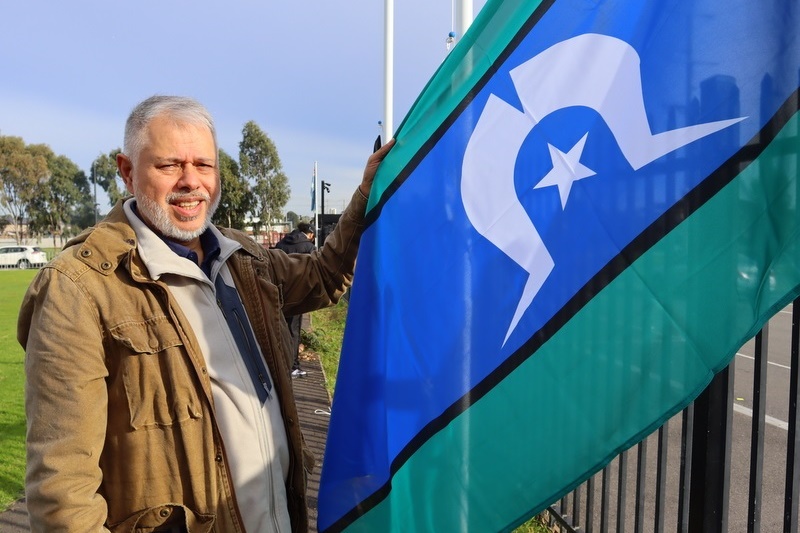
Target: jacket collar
x: 107, y: 245
x: 249, y: 246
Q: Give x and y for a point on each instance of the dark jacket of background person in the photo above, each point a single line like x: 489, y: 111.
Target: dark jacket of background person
x: 295, y: 242
x: 100, y: 334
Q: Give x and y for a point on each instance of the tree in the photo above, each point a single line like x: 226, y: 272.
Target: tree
x: 293, y: 218
x: 259, y: 162
x: 60, y: 193
x: 82, y: 215
x: 21, y: 169
x: 104, y: 172
x: 236, y: 200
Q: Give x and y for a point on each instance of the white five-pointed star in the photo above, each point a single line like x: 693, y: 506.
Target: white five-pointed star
x: 567, y: 169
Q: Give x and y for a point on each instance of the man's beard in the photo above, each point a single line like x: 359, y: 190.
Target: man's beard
x: 158, y: 216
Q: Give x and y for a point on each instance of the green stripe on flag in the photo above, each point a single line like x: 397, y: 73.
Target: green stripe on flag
x: 682, y: 309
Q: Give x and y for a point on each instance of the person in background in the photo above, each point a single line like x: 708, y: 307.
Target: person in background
x: 299, y: 241
x: 157, y: 393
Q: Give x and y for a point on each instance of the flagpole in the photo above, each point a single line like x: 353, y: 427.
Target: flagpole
x: 388, y: 69
x: 463, y: 17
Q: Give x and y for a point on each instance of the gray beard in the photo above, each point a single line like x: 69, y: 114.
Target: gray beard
x: 159, y: 219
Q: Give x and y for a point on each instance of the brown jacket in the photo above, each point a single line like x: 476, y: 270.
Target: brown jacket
x: 121, y: 424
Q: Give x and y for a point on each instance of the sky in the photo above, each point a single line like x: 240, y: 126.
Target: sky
x: 309, y: 73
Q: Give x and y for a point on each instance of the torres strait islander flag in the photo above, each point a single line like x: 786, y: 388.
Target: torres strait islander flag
x: 590, y: 207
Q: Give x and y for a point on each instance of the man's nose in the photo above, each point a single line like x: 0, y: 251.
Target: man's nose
x: 190, y: 177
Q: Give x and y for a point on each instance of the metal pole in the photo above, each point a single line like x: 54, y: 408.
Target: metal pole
x: 790, y: 513
x: 388, y: 70
x: 463, y: 17
x: 94, y: 176
x: 710, y: 475
x: 322, y: 202
x: 316, y: 196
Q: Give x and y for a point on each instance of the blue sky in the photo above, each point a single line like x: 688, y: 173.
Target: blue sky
x: 309, y: 73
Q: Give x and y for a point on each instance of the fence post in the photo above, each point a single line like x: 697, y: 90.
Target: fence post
x: 710, y: 475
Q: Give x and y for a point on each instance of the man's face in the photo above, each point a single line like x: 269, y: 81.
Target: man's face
x: 175, y: 178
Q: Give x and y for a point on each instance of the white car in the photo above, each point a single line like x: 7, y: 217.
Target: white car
x: 22, y: 257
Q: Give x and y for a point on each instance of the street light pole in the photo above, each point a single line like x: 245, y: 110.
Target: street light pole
x: 94, y: 178
x: 325, y: 188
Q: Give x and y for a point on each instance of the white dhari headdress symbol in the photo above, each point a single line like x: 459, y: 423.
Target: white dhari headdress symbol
x: 557, y: 78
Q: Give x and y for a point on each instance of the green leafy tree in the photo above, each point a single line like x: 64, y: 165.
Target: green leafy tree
x: 259, y: 162
x: 21, y: 170
x: 84, y: 212
x: 61, y: 192
x: 82, y: 215
x: 104, y: 173
x: 293, y: 218
x: 236, y: 200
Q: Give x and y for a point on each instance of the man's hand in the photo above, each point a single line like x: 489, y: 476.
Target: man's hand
x: 372, y: 167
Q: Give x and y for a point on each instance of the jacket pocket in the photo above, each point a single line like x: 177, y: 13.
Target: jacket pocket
x: 167, y: 517
x: 155, y: 373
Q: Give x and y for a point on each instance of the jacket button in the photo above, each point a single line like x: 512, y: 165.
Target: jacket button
x: 164, y: 513
x: 218, y: 458
x: 86, y: 253
x: 105, y: 265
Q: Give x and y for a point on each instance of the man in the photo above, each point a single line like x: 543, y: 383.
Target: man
x: 299, y: 241
x: 158, y: 396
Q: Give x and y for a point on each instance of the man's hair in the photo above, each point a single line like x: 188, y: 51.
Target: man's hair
x: 180, y: 109
x: 305, y: 227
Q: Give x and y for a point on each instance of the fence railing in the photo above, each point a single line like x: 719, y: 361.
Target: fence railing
x: 721, y: 465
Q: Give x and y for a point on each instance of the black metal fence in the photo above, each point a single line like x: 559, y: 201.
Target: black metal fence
x: 722, y: 465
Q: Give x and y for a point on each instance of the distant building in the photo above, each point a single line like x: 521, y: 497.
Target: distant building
x: 267, y: 236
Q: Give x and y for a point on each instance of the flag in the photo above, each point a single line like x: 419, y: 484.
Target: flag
x: 604, y: 199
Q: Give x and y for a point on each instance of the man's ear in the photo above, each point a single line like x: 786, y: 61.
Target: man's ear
x: 125, y: 168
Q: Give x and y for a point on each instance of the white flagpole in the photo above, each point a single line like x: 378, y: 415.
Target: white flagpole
x: 463, y: 17
x: 388, y: 70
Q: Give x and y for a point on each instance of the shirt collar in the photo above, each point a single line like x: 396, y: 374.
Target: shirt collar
x: 211, y: 250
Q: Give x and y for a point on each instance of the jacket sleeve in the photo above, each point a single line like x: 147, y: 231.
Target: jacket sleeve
x: 65, y: 404
x: 312, y: 281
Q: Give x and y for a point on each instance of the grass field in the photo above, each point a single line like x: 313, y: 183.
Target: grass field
x: 13, y: 284
x: 325, y: 339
